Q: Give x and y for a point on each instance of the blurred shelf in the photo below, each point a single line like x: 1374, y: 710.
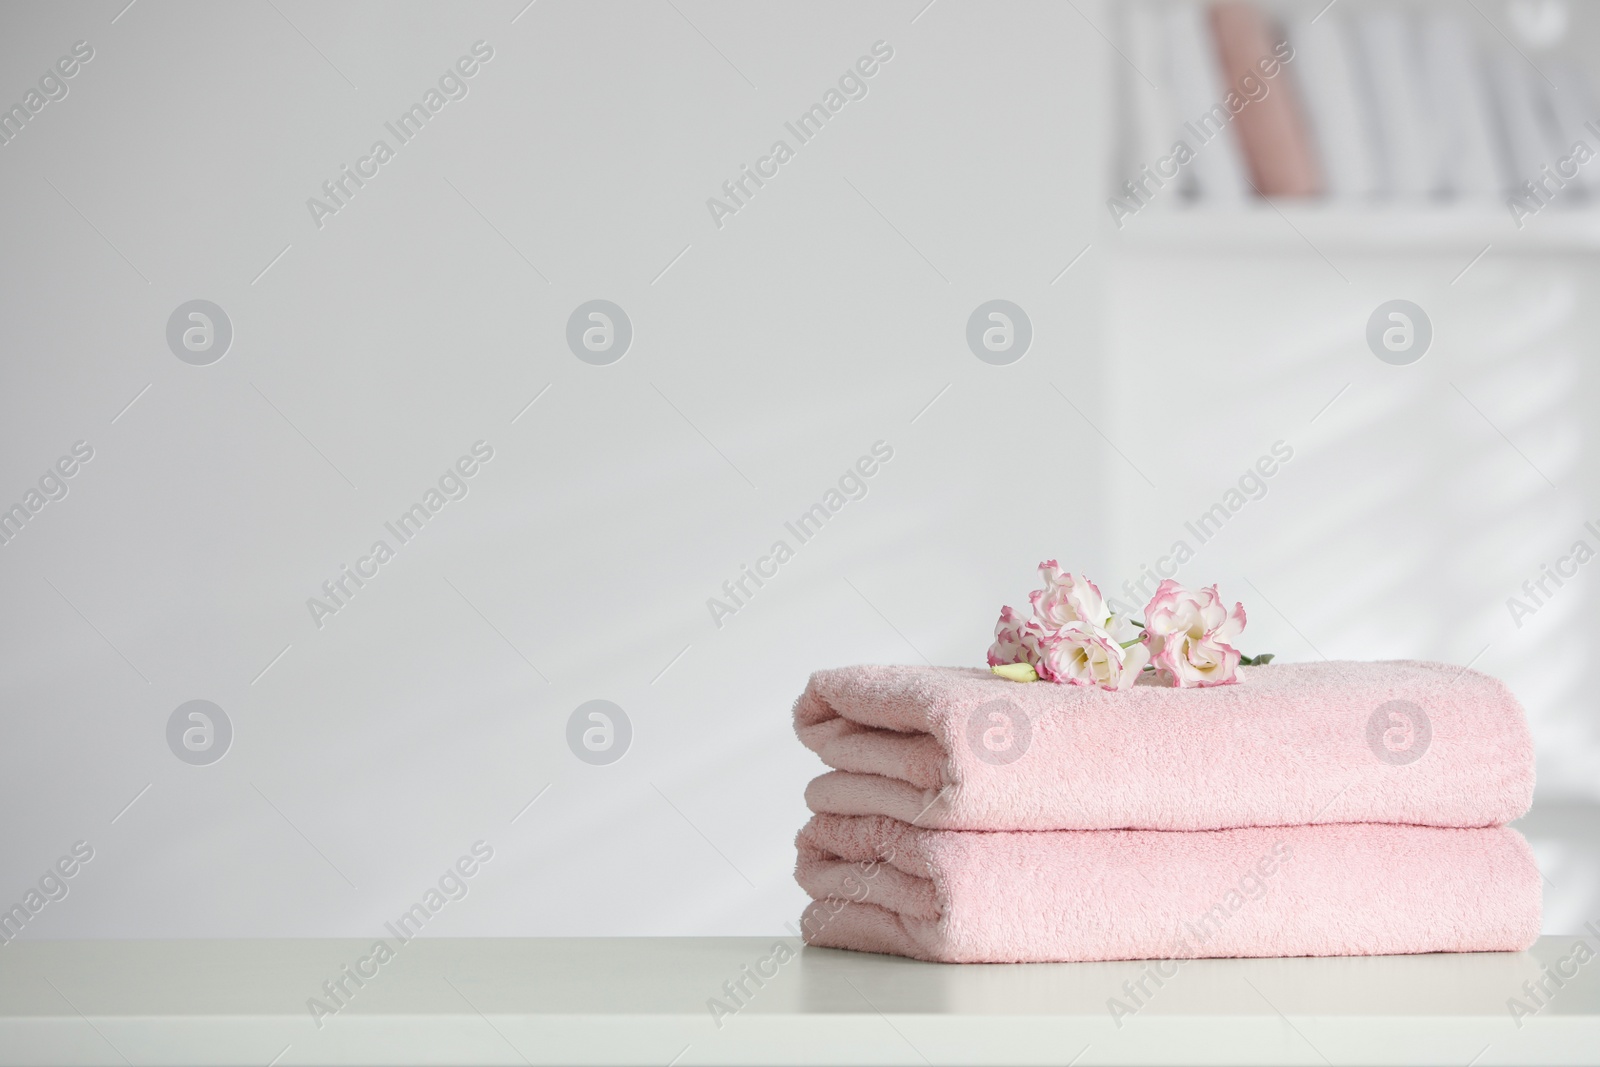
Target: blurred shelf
x: 1295, y: 226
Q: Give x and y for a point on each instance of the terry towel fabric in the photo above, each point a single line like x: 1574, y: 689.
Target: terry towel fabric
x: 1303, y: 743
x: 880, y: 885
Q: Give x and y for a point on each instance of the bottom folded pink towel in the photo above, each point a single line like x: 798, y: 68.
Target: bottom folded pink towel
x: 1347, y: 889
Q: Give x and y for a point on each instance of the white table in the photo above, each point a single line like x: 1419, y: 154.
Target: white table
x: 644, y: 1001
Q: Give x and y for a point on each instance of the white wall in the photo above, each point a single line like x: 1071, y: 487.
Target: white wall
x: 821, y: 318
x: 405, y: 329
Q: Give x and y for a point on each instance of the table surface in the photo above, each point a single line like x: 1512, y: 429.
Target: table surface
x: 676, y: 1001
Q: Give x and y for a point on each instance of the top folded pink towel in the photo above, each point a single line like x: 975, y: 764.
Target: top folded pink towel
x: 951, y: 748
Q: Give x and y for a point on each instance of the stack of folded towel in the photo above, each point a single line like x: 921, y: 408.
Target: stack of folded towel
x: 1312, y: 810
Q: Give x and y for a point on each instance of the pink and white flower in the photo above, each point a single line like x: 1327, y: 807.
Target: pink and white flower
x: 1066, y: 599
x: 1083, y: 654
x: 1191, y: 635
x: 1016, y: 640
x: 1007, y: 647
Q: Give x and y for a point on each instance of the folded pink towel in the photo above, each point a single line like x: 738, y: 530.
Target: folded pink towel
x: 879, y: 885
x: 1398, y: 742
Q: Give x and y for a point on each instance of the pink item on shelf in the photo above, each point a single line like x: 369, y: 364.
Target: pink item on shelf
x: 879, y: 885
x: 1392, y: 742
x: 1272, y: 127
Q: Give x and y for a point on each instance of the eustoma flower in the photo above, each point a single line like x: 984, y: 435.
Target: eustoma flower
x: 1073, y: 638
x: 1066, y: 599
x: 1191, y: 635
x: 1081, y: 654
x: 1187, y: 639
x: 1016, y: 640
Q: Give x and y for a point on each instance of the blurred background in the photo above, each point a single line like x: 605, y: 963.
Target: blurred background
x: 1185, y: 312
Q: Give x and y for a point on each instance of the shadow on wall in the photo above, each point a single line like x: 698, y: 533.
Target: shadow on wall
x: 1420, y: 498
x: 1566, y: 840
